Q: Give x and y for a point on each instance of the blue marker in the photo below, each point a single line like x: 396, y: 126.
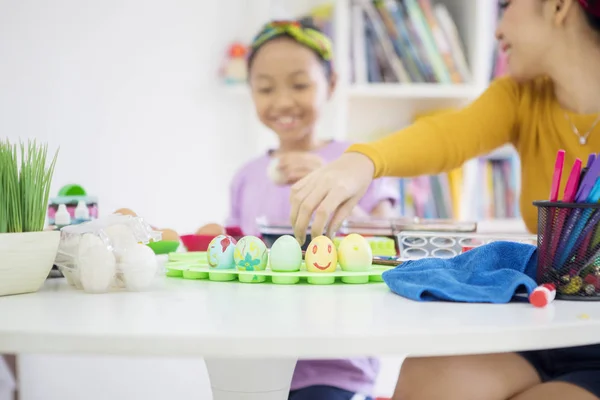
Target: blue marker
x: 577, y: 223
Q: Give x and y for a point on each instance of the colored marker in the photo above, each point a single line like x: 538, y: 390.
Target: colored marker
x: 556, y: 179
x: 543, y: 295
x: 577, y: 222
x: 568, y: 197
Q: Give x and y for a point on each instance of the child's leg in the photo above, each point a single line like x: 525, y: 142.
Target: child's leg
x: 557, y: 391
x: 324, y: 393
x: 478, y: 377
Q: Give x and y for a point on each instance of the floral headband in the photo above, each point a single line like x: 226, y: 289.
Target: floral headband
x: 591, y: 6
x: 309, y: 37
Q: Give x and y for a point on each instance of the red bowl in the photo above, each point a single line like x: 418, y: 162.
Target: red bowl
x: 196, y: 242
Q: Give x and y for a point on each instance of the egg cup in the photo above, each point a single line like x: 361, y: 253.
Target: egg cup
x: 285, y: 280
x: 359, y: 279
x: 321, y: 280
x: 251, y: 277
x: 220, y: 277
x: 172, y: 270
x: 189, y: 274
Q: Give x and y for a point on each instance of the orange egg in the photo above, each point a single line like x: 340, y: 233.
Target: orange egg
x: 211, y: 230
x: 125, y: 211
x: 169, y: 235
x: 321, y: 255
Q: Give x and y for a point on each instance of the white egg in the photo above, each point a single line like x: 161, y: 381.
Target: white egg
x: 274, y: 173
x: 121, y: 236
x: 138, y: 265
x: 96, y: 264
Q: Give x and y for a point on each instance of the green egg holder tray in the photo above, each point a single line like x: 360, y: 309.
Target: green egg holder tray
x: 194, y: 266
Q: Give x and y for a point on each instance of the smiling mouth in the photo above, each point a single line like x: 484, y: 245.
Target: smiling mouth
x: 322, y: 268
x: 286, y: 122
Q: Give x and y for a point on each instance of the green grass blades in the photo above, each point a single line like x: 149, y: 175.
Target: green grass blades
x: 25, y: 179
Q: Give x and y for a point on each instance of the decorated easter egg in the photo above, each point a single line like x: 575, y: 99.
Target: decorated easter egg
x: 321, y: 255
x: 250, y: 254
x: 220, y: 252
x: 285, y: 255
x: 354, y: 253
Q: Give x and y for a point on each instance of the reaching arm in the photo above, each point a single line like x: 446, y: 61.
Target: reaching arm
x: 442, y: 143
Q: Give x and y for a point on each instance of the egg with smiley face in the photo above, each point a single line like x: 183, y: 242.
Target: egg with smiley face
x: 321, y: 255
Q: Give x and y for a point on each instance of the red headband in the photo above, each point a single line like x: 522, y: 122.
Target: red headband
x: 593, y: 8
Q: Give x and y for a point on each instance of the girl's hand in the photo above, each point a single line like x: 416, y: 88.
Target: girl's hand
x: 331, y: 193
x: 296, y: 165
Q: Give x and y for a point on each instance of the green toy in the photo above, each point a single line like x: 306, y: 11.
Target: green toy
x: 164, y: 246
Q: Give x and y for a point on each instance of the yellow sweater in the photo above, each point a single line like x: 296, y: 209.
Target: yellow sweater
x: 526, y: 115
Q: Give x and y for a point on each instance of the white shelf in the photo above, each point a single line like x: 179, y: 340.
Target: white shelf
x: 414, y: 91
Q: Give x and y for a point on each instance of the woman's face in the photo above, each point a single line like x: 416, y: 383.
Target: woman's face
x: 526, y: 34
x: 289, y: 88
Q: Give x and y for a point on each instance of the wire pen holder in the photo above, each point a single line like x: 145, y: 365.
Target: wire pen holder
x: 569, y: 249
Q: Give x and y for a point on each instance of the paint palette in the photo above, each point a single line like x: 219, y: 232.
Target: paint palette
x: 417, y: 245
x: 194, y: 265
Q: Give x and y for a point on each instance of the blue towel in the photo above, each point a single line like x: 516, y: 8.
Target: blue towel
x: 492, y: 273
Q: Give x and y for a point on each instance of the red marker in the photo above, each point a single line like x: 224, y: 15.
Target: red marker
x: 467, y: 248
x: 543, y: 295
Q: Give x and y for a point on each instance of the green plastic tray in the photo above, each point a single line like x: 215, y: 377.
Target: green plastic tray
x: 189, y: 256
x: 199, y: 269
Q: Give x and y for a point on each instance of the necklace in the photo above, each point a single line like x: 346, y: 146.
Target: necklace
x: 582, y: 138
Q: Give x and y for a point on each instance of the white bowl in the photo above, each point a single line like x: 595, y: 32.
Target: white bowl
x: 26, y: 260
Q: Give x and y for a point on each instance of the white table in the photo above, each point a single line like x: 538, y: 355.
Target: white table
x: 252, y: 335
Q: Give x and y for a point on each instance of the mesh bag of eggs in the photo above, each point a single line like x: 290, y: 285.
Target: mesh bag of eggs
x: 107, y: 253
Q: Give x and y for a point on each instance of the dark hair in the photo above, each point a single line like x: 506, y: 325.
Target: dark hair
x: 593, y: 19
x: 306, y: 23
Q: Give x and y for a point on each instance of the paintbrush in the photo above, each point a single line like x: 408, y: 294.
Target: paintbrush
x: 377, y: 260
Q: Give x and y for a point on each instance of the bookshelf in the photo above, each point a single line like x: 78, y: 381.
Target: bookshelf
x: 363, y: 109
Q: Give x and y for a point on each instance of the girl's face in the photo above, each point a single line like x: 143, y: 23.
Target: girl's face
x: 289, y: 88
x: 526, y: 33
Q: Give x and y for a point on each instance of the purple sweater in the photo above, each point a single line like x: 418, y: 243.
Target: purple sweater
x: 254, y: 195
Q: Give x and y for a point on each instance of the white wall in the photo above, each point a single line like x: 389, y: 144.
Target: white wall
x: 128, y: 90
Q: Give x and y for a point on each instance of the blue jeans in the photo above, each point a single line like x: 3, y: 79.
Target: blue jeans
x: 324, y: 393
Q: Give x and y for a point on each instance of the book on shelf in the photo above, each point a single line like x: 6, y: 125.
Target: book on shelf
x: 322, y: 17
x: 488, y: 185
x: 405, y: 41
x: 440, y: 196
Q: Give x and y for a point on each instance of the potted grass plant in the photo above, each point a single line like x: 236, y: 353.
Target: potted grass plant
x: 27, y: 251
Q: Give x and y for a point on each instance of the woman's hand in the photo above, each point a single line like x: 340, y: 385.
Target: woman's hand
x: 331, y: 193
x: 294, y: 166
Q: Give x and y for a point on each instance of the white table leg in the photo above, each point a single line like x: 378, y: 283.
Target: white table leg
x: 250, y: 379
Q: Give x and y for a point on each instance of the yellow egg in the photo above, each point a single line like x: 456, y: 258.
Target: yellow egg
x: 354, y: 253
x: 321, y: 255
